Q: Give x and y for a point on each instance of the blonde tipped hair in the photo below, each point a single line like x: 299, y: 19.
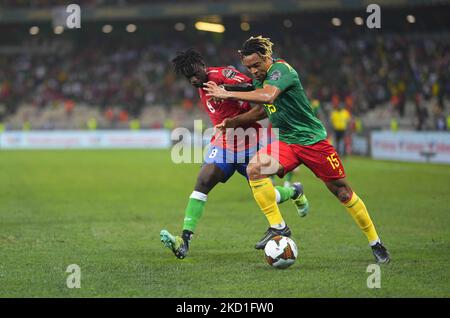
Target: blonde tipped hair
x: 259, y: 45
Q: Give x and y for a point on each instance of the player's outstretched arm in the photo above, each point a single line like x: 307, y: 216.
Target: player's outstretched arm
x: 253, y: 115
x: 266, y: 95
x: 241, y: 87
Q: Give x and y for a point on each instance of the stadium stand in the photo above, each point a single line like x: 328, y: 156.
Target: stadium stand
x: 54, y: 81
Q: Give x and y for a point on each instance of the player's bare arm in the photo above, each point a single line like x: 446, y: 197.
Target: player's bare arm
x: 242, y: 87
x: 253, y: 115
x: 266, y: 95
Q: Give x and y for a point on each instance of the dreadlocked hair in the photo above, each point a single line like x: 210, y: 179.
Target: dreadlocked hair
x: 257, y: 44
x: 185, y: 63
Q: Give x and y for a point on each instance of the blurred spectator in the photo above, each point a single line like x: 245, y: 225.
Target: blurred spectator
x: 394, y: 124
x: 188, y: 105
x: 340, y: 118
x: 123, y: 116
x: 440, y: 121
x: 422, y: 116
x: 26, y: 126
x: 92, y: 123
x: 135, y: 124
x: 315, y: 105
x: 169, y: 124
x: 68, y: 106
x: 109, y: 115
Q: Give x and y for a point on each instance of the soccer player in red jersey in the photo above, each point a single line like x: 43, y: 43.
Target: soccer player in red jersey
x: 223, y: 157
x: 302, y: 140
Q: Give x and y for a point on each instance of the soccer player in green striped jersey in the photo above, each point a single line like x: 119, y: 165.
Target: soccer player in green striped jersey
x: 302, y: 140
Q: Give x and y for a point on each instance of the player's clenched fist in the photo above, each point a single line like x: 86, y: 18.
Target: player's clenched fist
x: 215, y: 91
x: 226, y: 123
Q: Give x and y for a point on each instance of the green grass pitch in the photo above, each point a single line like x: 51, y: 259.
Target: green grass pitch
x: 103, y: 211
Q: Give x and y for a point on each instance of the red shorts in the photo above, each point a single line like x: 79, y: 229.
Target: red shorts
x: 321, y: 158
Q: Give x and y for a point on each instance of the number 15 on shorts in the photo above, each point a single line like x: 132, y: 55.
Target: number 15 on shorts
x: 334, y: 162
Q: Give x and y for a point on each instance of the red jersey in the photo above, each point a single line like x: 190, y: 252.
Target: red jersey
x: 226, y: 108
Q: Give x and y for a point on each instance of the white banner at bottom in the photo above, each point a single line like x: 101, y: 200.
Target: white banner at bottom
x: 411, y: 146
x: 107, y: 139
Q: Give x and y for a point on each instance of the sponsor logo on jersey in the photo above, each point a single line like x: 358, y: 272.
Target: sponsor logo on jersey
x: 275, y: 76
x: 229, y: 73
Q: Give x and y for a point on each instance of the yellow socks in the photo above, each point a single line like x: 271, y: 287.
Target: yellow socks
x: 359, y: 213
x: 264, y: 193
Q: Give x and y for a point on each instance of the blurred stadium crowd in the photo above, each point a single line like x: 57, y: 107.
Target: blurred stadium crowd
x: 50, y: 82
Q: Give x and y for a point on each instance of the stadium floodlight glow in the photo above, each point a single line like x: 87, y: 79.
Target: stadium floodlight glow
x: 410, y: 18
x: 180, y: 26
x: 58, y: 29
x: 34, y: 30
x: 287, y: 23
x: 358, y: 21
x: 245, y: 26
x: 107, y: 28
x: 210, y: 27
x: 131, y: 28
x: 336, y: 22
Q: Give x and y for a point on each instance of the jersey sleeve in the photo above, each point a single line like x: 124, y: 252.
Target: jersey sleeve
x: 281, y: 76
x: 233, y: 76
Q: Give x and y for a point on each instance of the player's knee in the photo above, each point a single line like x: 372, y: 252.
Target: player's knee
x: 205, y: 184
x: 344, y: 194
x: 254, y: 171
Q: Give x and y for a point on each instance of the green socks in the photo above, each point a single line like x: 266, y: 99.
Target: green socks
x: 283, y: 193
x: 194, y: 210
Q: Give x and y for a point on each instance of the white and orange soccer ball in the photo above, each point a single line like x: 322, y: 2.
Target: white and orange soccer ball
x: 281, y: 252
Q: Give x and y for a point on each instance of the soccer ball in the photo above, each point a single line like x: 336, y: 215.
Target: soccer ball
x: 281, y: 252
